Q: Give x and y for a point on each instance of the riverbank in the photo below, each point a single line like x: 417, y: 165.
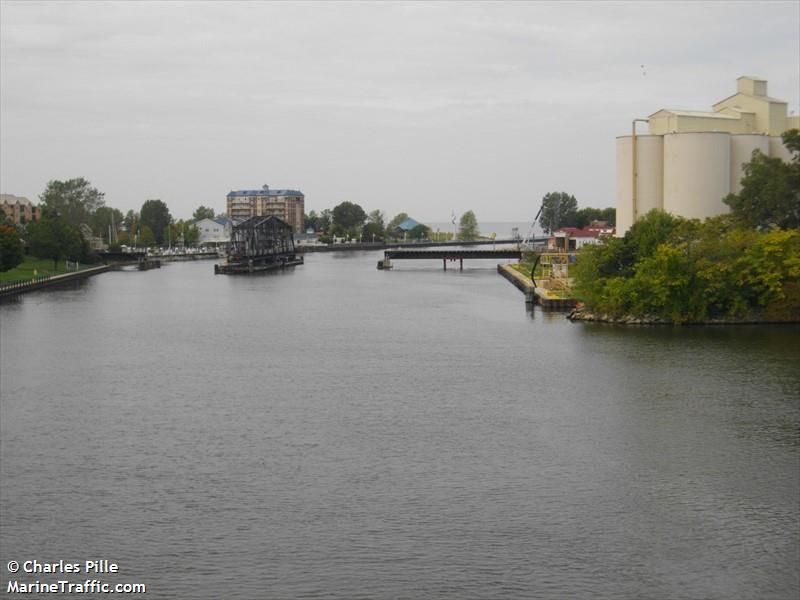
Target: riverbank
x: 32, y: 267
x: 12, y: 288
x: 581, y: 314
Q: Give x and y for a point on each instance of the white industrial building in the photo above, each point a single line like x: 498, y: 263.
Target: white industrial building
x: 690, y: 160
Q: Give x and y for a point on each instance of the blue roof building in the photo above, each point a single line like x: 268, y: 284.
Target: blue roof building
x: 408, y: 225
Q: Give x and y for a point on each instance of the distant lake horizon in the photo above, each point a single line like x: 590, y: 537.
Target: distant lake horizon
x: 503, y: 229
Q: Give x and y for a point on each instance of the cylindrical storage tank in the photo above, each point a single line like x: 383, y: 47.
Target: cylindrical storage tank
x: 649, y: 178
x: 697, y: 173
x: 742, y: 147
x: 777, y: 149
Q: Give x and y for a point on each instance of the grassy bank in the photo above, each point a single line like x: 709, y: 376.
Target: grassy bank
x: 525, y: 269
x: 32, y: 266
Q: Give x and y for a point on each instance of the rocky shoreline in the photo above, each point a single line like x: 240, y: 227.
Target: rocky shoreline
x: 581, y: 314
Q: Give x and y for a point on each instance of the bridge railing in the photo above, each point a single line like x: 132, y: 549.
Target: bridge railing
x: 21, y: 284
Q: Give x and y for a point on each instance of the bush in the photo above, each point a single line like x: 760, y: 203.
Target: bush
x: 11, y: 252
x: 690, y: 271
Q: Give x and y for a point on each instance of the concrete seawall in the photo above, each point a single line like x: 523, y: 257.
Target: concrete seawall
x: 21, y: 287
x: 519, y: 280
x: 534, y: 295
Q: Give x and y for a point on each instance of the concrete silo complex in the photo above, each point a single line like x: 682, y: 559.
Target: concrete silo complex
x: 690, y: 160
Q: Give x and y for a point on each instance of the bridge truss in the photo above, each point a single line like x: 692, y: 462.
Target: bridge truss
x: 258, y: 244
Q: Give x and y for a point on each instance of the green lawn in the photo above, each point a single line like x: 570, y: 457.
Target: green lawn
x: 25, y: 270
x: 525, y: 269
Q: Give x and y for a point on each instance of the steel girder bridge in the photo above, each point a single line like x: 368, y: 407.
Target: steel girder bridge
x: 260, y: 244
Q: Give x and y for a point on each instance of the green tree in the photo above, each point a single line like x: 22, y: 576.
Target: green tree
x: 650, y: 231
x: 468, y: 226
x: 377, y: 217
x: 11, y: 253
x: 685, y: 270
x: 6, y: 220
x: 74, y: 200
x: 372, y: 232
x: 103, y: 218
x: 585, y: 216
x: 131, y: 221
x: 52, y: 237
x: 182, y: 231
x: 192, y: 235
x: 155, y: 215
x: 419, y: 232
x: 770, y: 194
x: 325, y: 219
x: 559, y: 209
x: 609, y: 215
x: 146, y: 237
x: 312, y: 220
x: 349, y: 215
x: 203, y: 212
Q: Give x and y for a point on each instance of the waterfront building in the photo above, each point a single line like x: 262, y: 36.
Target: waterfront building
x: 214, y: 232
x: 572, y: 238
x: 95, y: 242
x: 288, y: 205
x: 690, y: 160
x: 19, y: 209
x: 403, y: 228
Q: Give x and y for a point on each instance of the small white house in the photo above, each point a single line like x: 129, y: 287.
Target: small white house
x: 571, y: 238
x: 214, y: 231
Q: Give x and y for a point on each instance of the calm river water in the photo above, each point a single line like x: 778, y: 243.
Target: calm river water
x: 336, y: 431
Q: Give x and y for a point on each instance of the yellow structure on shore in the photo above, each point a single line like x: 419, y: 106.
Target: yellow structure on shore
x: 690, y: 160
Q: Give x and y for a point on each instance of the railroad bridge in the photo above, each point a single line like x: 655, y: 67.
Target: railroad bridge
x: 447, y: 254
x: 260, y: 244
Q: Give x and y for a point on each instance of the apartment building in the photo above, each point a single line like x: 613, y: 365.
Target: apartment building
x: 288, y: 205
x: 19, y: 209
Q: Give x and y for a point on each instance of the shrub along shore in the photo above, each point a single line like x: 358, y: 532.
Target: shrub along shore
x: 672, y: 270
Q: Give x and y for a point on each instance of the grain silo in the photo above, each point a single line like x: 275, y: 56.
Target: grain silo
x: 692, y: 159
x: 649, y: 177
x: 697, y: 171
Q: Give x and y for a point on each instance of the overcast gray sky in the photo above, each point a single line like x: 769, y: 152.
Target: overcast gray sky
x: 416, y: 107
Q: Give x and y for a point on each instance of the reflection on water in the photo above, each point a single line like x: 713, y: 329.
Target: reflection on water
x: 335, y: 430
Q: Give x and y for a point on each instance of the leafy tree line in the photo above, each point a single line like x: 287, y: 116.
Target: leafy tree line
x: 687, y: 271
x: 560, y: 209
x: 745, y: 264
x: 349, y: 220
x: 67, y: 205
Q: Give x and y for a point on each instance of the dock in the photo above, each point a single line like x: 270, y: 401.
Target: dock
x: 140, y: 259
x: 256, y: 266
x: 534, y: 294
